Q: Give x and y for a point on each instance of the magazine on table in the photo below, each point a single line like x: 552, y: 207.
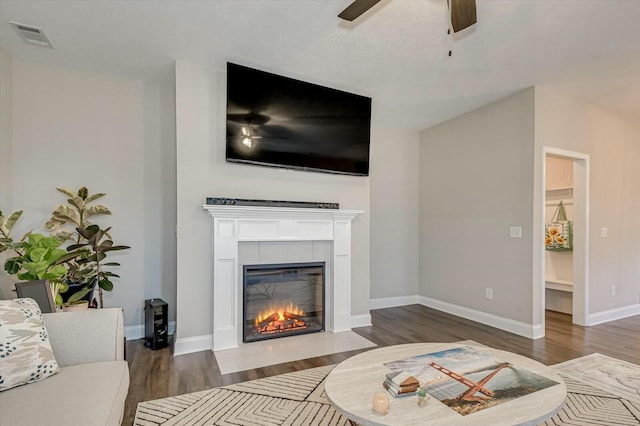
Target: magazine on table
x: 468, y: 379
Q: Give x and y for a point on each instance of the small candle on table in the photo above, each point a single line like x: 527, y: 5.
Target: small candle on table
x: 381, y: 403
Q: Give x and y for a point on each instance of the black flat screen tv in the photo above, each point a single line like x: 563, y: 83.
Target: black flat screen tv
x: 282, y: 122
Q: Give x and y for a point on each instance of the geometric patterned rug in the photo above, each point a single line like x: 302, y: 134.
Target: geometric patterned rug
x: 600, y: 391
x: 298, y: 399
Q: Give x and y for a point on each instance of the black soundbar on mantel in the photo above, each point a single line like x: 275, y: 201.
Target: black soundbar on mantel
x: 217, y: 201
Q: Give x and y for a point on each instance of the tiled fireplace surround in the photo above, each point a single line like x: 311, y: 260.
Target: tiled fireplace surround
x: 262, y: 235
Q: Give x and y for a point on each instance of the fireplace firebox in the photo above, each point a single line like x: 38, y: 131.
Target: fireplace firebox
x: 282, y: 300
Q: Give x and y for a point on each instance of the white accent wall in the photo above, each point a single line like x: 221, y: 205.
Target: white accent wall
x: 202, y: 171
x: 115, y: 135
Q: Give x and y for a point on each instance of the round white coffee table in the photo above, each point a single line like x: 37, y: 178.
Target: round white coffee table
x: 351, y: 385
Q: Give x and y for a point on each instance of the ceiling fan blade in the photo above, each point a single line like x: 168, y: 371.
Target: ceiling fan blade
x: 357, y: 8
x: 463, y: 14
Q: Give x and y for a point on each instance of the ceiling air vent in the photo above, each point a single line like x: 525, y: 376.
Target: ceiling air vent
x: 32, y: 35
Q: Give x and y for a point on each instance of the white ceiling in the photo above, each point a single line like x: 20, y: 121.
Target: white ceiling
x: 395, y: 53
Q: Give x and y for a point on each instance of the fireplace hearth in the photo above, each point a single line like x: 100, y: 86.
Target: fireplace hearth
x: 282, y: 300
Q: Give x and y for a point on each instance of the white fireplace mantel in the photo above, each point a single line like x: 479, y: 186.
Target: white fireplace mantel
x: 235, y: 224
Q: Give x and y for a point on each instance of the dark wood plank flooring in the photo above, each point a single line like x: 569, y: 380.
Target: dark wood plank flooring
x: 157, y: 374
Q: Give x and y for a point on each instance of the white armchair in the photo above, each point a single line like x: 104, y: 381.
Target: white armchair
x: 91, y: 387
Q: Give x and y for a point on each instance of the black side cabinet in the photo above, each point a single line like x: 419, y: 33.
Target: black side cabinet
x: 156, y: 330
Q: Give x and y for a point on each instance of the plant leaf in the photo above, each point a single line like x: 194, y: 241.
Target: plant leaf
x: 105, y: 284
x: 56, y: 254
x: 34, y: 239
x: 95, y: 239
x: 76, y: 202
x: 93, y: 229
x: 94, y: 197
x: 62, y: 235
x: 84, y: 233
x: 27, y: 276
x: 53, y: 223
x: 31, y: 269
x: 49, y: 242
x: 114, y: 248
x: 55, y: 273
x: 75, y: 297
x: 11, y: 220
x: 12, y: 266
x: 105, y: 245
x: 37, y: 254
x: 67, y: 192
x: 67, y: 214
x: 97, y: 257
x: 96, y: 210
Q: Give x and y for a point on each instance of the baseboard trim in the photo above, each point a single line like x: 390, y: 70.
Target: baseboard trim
x: 506, y: 324
x: 188, y: 345
x: 135, y: 332
x: 392, y: 302
x: 360, y: 320
x: 613, y: 314
x: 538, y: 331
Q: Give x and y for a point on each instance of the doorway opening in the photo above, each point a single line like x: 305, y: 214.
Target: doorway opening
x: 558, y: 217
x: 564, y: 264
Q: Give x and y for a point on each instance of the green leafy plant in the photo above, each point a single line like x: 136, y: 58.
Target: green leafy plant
x: 83, y: 263
x: 40, y: 258
x: 89, y: 266
x: 71, y: 222
x: 75, y: 214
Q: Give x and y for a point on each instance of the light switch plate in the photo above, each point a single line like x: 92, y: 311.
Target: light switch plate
x: 604, y: 232
x: 515, y: 232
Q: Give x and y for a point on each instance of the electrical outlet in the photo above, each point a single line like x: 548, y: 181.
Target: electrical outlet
x: 613, y: 290
x: 488, y: 293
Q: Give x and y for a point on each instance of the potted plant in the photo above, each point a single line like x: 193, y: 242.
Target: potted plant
x: 70, y: 222
x: 89, y: 266
x: 40, y: 258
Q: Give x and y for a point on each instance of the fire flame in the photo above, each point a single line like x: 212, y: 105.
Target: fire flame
x: 280, y: 310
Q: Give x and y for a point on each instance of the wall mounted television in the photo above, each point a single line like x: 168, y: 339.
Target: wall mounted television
x: 278, y: 121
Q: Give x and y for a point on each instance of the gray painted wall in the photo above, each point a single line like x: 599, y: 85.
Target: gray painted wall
x: 114, y: 135
x: 476, y: 180
x: 6, y: 160
x: 394, y: 213
x: 6, y: 163
x: 613, y: 143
